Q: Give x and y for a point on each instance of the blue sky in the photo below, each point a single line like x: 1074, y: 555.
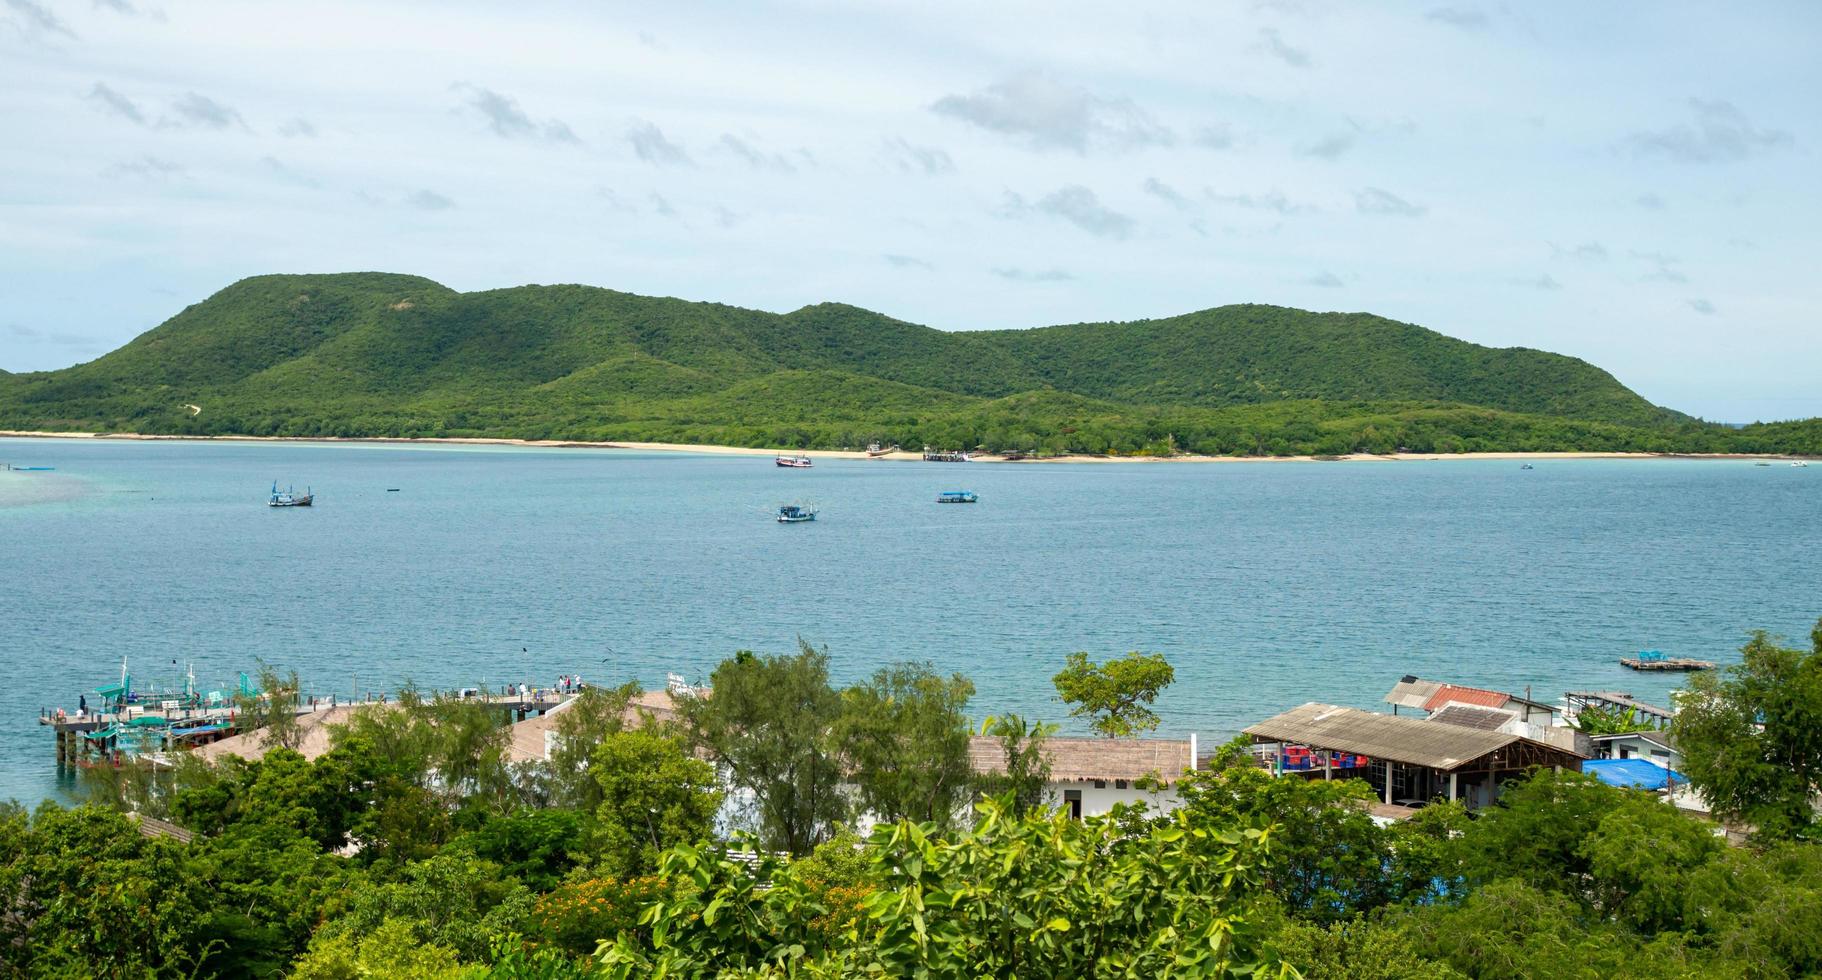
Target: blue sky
x: 1631, y: 183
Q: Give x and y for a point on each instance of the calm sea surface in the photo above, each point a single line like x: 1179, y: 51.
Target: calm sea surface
x: 1266, y: 584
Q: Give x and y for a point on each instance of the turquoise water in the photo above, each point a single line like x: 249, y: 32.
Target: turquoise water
x: 1267, y: 584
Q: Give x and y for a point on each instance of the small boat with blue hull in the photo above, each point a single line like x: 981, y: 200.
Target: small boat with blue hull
x: 957, y: 497
x: 795, y: 514
x: 289, y: 497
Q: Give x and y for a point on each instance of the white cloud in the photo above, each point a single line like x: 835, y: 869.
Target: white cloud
x: 1718, y: 133
x: 1375, y: 200
x: 650, y: 145
x: 1049, y: 114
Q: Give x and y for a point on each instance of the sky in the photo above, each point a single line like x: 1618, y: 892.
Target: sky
x: 1634, y: 184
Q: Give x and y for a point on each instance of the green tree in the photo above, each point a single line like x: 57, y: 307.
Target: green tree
x: 85, y: 891
x: 905, y: 738
x: 768, y: 725
x: 538, y: 847
x: 449, y: 900
x: 391, y: 950
x: 1033, y: 896
x: 1613, y: 720
x: 1023, y: 779
x: 1328, y: 860
x: 654, y: 795
x: 1751, y: 739
x: 588, y: 719
x: 1117, y: 694
x: 271, y: 708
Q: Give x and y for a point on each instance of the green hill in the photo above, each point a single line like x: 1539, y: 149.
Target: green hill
x: 390, y: 355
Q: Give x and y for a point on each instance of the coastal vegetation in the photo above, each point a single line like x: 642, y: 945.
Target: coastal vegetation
x: 380, y: 355
x: 414, y: 847
x: 1118, y: 694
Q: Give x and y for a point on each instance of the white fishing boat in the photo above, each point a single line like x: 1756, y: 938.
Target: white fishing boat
x: 795, y: 514
x: 289, y: 497
x: 797, y: 462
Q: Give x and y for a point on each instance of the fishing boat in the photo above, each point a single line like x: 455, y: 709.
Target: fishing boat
x: 957, y: 497
x: 1527, y: 466
x: 945, y: 456
x: 874, y: 451
x: 795, y: 514
x: 289, y: 497
x: 797, y: 462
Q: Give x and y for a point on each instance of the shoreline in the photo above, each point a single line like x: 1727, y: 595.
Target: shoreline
x: 900, y: 455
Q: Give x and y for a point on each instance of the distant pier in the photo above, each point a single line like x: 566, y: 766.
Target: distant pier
x: 149, y: 730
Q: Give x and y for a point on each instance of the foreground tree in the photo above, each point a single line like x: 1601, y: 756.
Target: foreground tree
x: 1751, y: 739
x: 654, y: 795
x: 1118, y: 694
x: 1034, y: 896
x: 905, y: 738
x: 1329, y: 860
x: 271, y: 708
x: 768, y: 725
x: 1024, y: 775
x: 590, y: 719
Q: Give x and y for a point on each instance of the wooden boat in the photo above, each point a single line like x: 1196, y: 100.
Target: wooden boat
x: 289, y: 497
x: 957, y: 497
x: 795, y: 514
x: 873, y: 450
x: 797, y: 462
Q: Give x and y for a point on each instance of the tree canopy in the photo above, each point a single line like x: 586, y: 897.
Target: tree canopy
x: 1118, y: 694
x: 1751, y: 738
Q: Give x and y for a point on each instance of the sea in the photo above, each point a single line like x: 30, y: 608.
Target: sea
x: 1266, y: 584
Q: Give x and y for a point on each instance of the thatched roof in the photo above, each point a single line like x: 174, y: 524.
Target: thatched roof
x: 154, y: 827
x: 313, y: 736
x: 531, y: 738
x: 1074, y: 759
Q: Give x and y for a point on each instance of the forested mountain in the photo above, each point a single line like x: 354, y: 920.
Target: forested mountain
x: 373, y: 354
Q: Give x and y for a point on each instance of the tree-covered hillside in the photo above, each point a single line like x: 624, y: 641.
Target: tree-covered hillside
x: 374, y: 354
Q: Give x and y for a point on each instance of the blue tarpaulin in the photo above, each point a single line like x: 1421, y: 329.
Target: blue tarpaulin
x: 1631, y: 773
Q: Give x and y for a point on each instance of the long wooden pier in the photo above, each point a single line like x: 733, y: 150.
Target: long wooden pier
x: 173, y: 725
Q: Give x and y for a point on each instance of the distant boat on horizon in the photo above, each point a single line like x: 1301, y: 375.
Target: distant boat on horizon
x: 957, y: 497
x: 289, y: 497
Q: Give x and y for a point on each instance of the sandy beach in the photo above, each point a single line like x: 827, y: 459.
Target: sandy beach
x: 900, y: 455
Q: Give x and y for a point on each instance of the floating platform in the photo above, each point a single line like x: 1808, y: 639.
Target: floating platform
x: 1665, y: 663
